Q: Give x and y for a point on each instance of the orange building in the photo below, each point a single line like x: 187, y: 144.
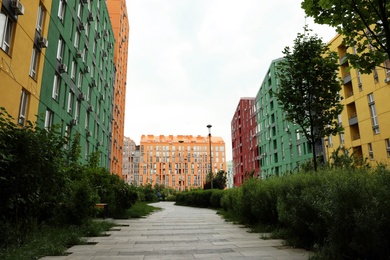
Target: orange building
x: 120, y: 24
x: 179, y: 162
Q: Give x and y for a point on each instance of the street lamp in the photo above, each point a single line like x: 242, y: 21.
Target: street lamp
x: 211, y: 170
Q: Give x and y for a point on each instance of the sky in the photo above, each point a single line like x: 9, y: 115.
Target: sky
x: 190, y: 61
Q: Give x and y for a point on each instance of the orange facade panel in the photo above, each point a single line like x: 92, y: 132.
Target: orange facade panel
x: 180, y: 162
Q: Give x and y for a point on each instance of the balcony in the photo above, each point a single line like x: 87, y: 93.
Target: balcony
x: 347, y: 79
x: 353, y: 120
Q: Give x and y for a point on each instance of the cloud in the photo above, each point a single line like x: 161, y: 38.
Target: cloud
x: 191, y: 61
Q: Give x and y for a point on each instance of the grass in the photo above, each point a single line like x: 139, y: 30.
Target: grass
x: 140, y: 209
x: 53, y: 241
x: 50, y: 241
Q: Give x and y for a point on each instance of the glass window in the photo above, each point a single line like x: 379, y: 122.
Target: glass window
x: 56, y: 87
x: 73, y: 70
x: 70, y: 102
x: 40, y: 18
x: 387, y: 68
x: 374, y: 117
x: 76, y: 39
x: 34, y: 63
x: 60, y: 50
x: 48, y: 119
x: 370, y: 152
x: 79, y: 80
x: 6, y: 31
x: 61, y: 9
x: 387, y: 142
x: 23, y: 107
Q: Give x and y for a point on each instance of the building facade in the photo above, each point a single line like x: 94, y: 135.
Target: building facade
x: 120, y: 24
x: 282, y: 148
x: 180, y: 162
x: 366, y: 113
x: 23, y: 35
x: 244, y: 141
x: 78, y: 84
x: 229, y: 175
x: 131, y: 158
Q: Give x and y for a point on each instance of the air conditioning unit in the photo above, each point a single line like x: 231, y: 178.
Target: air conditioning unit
x: 84, y: 1
x: 106, y: 85
x: 81, y: 96
x: 89, y: 133
x: 104, y: 54
x: 87, y: 69
x: 93, y: 83
x: 102, y: 97
x: 98, y: 35
x: 79, y: 54
x: 63, y: 68
x: 43, y: 42
x: 387, y: 80
x: 99, y: 143
x: 17, y: 7
x: 81, y: 27
x: 90, y: 17
x: 73, y: 122
x: 90, y: 108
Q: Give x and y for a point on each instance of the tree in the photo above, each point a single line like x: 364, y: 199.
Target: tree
x: 309, y: 90
x: 365, y: 25
x: 219, y: 181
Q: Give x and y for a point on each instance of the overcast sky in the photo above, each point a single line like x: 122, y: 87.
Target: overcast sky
x: 190, y: 61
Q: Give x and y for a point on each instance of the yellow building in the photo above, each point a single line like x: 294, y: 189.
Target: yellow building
x: 23, y: 34
x: 366, y: 113
x: 179, y: 162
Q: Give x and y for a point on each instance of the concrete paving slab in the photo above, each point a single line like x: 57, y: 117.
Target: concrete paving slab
x: 177, y: 233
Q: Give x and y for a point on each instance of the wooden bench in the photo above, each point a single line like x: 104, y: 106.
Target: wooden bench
x: 103, y: 206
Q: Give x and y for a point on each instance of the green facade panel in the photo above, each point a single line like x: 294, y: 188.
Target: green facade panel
x: 281, y: 147
x: 79, y: 74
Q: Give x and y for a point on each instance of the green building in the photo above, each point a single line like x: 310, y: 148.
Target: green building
x: 281, y: 147
x: 78, y: 74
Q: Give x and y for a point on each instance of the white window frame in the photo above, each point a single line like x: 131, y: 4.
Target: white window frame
x: 79, y: 80
x: 60, y: 50
x: 70, y: 102
x: 48, y: 119
x: 34, y: 63
x: 40, y: 19
x: 370, y: 151
x: 387, y: 143
x: 56, y: 87
x: 73, y: 70
x: 61, y: 9
x: 24, y: 98
x: 374, y: 116
x: 6, y: 31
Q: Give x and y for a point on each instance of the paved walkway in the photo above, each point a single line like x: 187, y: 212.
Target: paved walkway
x: 182, y: 233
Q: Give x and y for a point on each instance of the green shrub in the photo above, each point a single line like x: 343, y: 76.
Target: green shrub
x: 215, y: 199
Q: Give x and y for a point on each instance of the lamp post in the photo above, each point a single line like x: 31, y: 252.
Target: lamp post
x: 211, y: 170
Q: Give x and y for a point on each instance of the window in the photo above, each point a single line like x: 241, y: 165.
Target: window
x: 60, y: 50
x: 86, y: 150
x: 23, y: 107
x: 73, y: 70
x: 34, y: 63
x: 6, y: 31
x: 61, y: 9
x: 77, y: 111
x: 375, y: 73
x: 79, y: 80
x: 67, y: 135
x: 76, y: 39
x: 387, y: 68
x: 374, y: 117
x: 86, y: 120
x: 387, y: 142
x: 359, y: 78
x: 370, y: 152
x: 56, y: 87
x: 48, y: 119
x: 40, y: 19
x: 70, y: 102
x: 79, y: 10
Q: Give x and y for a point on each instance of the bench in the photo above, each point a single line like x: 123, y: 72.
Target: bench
x: 103, y: 206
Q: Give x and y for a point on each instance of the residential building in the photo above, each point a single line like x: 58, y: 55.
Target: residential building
x: 282, y: 147
x: 229, y: 175
x: 366, y: 113
x: 244, y: 141
x: 120, y: 24
x: 180, y: 162
x: 78, y: 84
x: 23, y: 34
x: 131, y: 158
